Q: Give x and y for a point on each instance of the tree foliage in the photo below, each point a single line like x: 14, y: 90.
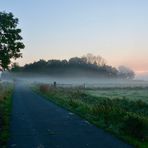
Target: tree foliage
x: 10, y: 39
x: 125, y: 72
x: 75, y: 66
x: 92, y: 59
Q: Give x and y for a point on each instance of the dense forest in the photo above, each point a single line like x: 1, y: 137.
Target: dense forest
x: 89, y: 65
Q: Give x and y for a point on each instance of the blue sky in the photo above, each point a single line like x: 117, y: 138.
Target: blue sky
x: 115, y: 29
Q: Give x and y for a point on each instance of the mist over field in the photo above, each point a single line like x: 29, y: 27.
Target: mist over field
x: 89, y: 71
x: 143, y: 76
x: 71, y: 80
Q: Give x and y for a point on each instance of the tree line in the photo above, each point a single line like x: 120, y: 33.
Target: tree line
x: 94, y: 65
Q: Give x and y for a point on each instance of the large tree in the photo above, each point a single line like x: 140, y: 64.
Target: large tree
x: 10, y: 39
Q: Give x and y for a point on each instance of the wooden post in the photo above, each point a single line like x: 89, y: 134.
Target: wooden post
x: 54, y: 84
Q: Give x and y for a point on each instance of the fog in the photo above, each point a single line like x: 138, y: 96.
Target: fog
x: 142, y: 77
x: 72, y: 81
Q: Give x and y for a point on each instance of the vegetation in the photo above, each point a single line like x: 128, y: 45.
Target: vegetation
x: 10, y: 38
x: 89, y: 65
x: 133, y: 94
x: 5, y: 108
x: 125, y: 118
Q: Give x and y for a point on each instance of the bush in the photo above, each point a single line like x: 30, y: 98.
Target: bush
x: 136, y: 126
x: 44, y: 88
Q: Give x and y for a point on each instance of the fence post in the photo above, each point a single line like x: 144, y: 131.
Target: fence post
x: 54, y: 84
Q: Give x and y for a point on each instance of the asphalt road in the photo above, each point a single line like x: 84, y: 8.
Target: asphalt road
x: 38, y: 123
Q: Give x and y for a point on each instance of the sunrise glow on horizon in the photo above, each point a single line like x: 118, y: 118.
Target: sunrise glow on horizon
x: 60, y: 29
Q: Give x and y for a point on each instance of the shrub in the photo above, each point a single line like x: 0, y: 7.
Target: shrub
x: 136, y: 126
x: 44, y: 88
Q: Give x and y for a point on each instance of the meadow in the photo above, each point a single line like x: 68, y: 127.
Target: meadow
x: 113, y: 109
x: 134, y: 93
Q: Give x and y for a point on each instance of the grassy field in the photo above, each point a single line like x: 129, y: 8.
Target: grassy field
x: 5, y: 108
x: 134, y: 94
x: 124, y: 117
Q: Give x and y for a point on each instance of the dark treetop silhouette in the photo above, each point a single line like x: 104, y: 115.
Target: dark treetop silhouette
x: 88, y: 65
x: 10, y: 39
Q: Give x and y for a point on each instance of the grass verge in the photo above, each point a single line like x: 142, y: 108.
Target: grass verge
x: 6, y: 90
x: 124, y: 118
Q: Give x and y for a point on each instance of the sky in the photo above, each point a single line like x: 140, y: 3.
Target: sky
x: 59, y: 29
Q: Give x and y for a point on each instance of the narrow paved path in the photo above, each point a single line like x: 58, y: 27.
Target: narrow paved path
x: 38, y: 123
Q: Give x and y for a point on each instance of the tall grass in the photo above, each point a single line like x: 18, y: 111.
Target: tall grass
x: 5, y: 108
x: 125, y: 118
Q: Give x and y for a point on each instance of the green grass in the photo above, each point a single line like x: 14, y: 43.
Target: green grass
x: 5, y: 109
x: 122, y: 93
x: 124, y: 118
